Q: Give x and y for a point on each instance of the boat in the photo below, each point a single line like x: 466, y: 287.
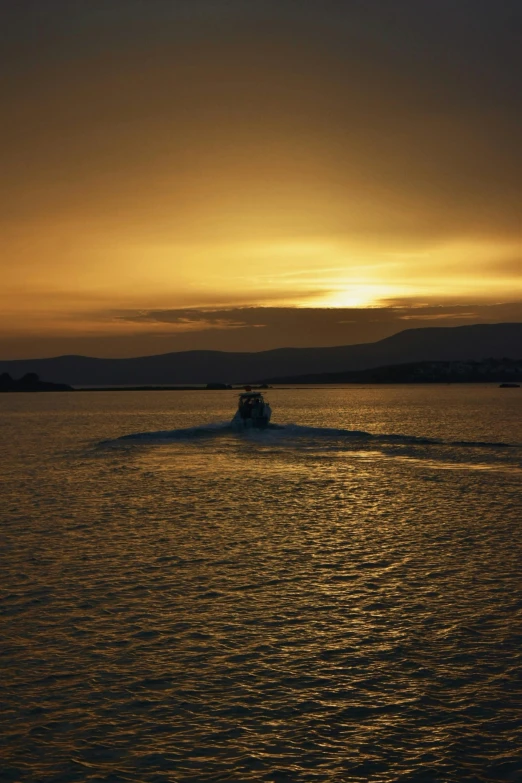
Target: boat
x: 253, y: 411
x: 509, y: 386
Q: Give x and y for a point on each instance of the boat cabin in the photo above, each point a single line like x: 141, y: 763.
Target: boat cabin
x: 251, y: 405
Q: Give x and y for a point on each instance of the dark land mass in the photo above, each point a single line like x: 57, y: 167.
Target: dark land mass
x: 138, y: 388
x: 208, y: 387
x: 475, y: 342
x: 30, y: 383
x: 487, y: 371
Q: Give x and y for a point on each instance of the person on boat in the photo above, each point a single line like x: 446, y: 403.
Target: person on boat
x: 246, y: 409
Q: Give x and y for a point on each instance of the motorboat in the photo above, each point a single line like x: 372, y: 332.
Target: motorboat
x: 253, y: 412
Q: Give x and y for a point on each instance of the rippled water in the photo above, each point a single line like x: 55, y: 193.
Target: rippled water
x: 335, y: 599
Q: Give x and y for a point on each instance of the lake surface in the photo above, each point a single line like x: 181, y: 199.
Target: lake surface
x: 335, y: 600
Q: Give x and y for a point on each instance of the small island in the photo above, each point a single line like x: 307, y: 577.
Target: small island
x: 30, y: 382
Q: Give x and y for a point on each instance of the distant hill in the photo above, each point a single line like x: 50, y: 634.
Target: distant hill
x: 474, y: 342
x: 485, y: 371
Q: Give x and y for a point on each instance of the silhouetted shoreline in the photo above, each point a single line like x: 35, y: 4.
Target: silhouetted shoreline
x: 507, y: 372
x: 30, y: 382
x: 198, y: 368
x: 485, y: 371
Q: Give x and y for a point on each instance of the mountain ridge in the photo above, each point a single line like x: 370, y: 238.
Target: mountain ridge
x: 434, y: 343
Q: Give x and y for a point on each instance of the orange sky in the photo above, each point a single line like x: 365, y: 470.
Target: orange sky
x: 200, y: 155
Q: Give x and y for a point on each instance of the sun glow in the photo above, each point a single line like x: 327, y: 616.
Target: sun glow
x: 357, y: 295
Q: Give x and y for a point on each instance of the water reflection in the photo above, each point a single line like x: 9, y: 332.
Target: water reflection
x: 298, y: 608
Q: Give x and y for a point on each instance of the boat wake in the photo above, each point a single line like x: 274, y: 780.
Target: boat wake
x: 291, y: 441
x: 202, y: 431
x: 281, y: 433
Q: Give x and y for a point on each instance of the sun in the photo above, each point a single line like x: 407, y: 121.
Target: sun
x: 357, y: 295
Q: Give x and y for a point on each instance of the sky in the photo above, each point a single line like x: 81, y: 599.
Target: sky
x: 234, y: 175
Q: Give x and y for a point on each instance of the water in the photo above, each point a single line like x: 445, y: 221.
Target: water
x: 337, y: 599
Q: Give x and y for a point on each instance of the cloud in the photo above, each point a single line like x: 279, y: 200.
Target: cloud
x: 240, y: 328
x: 438, y: 317
x: 186, y: 320
x: 321, y: 326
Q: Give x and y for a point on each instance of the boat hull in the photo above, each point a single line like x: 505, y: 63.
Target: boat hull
x: 253, y: 422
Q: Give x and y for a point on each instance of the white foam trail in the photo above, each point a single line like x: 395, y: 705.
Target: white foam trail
x: 187, y: 433
x: 287, y: 432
